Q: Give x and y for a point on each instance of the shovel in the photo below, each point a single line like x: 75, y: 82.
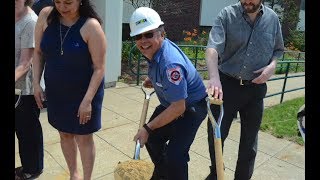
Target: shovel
x: 137, y: 169
x: 18, y: 92
x: 217, y: 135
x: 147, y: 95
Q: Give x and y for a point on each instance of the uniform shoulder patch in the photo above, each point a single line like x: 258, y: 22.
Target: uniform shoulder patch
x: 174, y: 75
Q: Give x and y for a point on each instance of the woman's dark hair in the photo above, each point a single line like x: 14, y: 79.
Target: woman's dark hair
x: 86, y: 9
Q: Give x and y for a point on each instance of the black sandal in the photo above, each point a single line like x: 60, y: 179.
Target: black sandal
x: 20, y: 175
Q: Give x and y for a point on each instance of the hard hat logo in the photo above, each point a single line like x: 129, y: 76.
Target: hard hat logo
x: 144, y: 19
x: 141, y: 21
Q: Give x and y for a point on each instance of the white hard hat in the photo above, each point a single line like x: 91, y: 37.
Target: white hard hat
x: 144, y: 19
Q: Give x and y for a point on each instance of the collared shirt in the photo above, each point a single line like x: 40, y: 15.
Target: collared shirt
x: 174, y: 77
x: 244, y: 47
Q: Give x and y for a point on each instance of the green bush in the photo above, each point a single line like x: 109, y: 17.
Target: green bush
x: 293, y: 67
x: 296, y: 40
x: 126, y: 48
x: 194, y: 37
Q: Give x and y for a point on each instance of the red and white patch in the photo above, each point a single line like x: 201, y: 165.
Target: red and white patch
x: 174, y: 75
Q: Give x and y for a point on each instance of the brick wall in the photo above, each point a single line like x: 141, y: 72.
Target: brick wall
x: 179, y: 15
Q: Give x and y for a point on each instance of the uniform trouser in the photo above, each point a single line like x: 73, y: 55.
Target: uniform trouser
x: 248, y: 101
x: 29, y: 133
x: 169, y: 145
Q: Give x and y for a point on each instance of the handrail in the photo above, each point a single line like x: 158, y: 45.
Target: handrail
x: 286, y: 77
x: 290, y: 62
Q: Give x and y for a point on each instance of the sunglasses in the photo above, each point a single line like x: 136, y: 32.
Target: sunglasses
x: 148, y: 35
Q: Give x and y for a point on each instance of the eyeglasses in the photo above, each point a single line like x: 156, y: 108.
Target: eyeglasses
x: 147, y: 35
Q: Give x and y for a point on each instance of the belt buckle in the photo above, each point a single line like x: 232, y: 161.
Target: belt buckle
x: 241, y: 84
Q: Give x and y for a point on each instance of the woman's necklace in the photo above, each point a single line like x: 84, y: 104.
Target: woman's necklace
x: 62, y: 39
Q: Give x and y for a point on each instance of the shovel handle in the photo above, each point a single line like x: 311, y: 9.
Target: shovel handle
x: 144, y: 113
x: 219, y: 158
x: 147, y: 91
x: 214, y: 100
x: 147, y: 94
x: 217, y: 134
x: 18, y: 92
x: 211, y: 100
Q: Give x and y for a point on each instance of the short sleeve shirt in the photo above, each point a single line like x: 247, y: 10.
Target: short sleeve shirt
x: 174, y: 77
x: 245, y: 47
x: 24, y: 38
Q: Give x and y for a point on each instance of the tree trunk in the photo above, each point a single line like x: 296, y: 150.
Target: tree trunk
x: 290, y: 16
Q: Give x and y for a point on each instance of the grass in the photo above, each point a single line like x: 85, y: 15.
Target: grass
x: 281, y: 120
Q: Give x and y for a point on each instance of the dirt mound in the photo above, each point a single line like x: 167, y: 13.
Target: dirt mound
x: 133, y: 170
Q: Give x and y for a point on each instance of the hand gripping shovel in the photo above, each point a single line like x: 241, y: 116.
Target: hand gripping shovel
x: 137, y: 169
x: 217, y: 135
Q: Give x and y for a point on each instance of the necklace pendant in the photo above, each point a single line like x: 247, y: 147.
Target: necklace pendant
x: 61, y: 52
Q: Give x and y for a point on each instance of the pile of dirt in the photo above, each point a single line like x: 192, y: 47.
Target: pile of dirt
x: 133, y: 170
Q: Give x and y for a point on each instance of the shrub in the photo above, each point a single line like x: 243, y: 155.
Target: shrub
x: 125, y: 53
x: 194, y: 38
x: 296, y: 41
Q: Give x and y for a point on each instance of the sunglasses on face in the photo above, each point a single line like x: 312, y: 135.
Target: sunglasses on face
x: 147, y: 35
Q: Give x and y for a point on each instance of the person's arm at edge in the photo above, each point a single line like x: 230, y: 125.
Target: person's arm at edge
x: 215, y: 46
x: 26, y: 50
x: 97, y: 44
x: 279, y: 47
x: 214, y: 87
x: 38, y: 61
x: 25, y: 63
x: 174, y: 110
x: 269, y: 70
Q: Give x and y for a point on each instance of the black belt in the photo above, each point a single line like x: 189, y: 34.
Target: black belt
x: 241, y: 82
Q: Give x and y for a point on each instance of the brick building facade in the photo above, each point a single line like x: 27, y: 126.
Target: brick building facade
x: 177, y: 15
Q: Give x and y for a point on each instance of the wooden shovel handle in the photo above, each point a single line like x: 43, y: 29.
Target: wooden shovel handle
x: 214, y: 100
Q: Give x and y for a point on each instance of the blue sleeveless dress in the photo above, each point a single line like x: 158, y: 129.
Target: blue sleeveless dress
x: 67, y: 79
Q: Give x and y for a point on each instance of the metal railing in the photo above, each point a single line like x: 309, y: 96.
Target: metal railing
x: 288, y: 65
x: 287, y: 76
x: 194, y: 52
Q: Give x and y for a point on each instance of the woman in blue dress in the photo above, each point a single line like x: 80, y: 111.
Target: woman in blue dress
x: 70, y: 47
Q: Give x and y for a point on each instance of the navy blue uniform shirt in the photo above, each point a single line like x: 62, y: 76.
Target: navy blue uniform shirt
x: 174, y: 77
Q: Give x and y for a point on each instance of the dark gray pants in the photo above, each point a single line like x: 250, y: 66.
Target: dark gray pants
x: 248, y: 101
x: 29, y: 133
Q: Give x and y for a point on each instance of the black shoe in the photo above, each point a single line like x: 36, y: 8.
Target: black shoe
x: 20, y: 175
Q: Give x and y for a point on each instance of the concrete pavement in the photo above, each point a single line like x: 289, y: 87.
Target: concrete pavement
x: 276, y: 158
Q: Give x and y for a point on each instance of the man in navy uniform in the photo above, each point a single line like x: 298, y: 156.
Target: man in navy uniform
x: 181, y: 92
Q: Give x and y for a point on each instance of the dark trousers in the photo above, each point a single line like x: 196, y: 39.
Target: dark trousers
x: 29, y: 133
x: 169, y: 145
x: 248, y: 100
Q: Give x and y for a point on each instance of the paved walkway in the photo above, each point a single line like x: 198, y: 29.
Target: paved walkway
x: 276, y: 159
